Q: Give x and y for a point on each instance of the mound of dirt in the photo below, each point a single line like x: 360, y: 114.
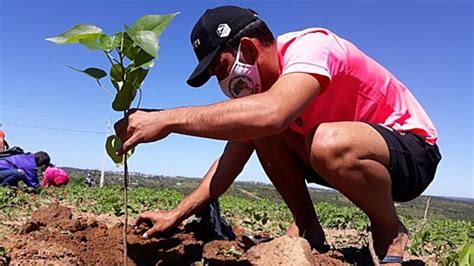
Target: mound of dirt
x: 58, y: 236
x: 287, y: 250
x: 55, y: 236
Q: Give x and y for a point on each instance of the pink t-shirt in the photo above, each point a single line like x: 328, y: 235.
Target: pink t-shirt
x: 54, y: 176
x: 360, y: 89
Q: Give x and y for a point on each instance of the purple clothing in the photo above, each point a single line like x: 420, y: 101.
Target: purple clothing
x: 25, y: 162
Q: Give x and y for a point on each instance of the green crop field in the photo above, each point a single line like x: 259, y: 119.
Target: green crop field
x: 438, y: 237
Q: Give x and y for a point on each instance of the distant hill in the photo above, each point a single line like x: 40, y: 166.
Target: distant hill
x: 469, y: 200
x: 440, y: 207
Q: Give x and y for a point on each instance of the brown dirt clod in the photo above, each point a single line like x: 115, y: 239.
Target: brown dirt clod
x: 285, y: 250
x: 221, y: 252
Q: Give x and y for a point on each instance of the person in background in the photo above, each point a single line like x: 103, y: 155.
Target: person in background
x: 54, y: 176
x: 23, y: 167
x: 3, y: 142
x: 90, y: 180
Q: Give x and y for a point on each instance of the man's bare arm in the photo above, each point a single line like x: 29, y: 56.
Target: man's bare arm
x: 250, y: 117
x: 216, y: 181
x: 253, y: 116
x: 219, y: 177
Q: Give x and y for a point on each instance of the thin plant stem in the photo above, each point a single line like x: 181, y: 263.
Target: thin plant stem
x: 140, y: 98
x: 105, y: 89
x: 121, y: 56
x: 125, y: 171
x: 125, y: 200
x: 109, y: 57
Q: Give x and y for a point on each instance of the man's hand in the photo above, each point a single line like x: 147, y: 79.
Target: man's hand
x: 141, y: 126
x: 162, y: 221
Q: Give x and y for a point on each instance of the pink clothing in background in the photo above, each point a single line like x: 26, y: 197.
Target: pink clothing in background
x: 360, y: 89
x: 54, y: 176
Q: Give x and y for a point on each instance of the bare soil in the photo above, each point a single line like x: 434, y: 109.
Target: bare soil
x: 58, y: 236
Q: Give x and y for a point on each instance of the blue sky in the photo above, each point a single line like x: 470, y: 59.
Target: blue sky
x: 426, y: 44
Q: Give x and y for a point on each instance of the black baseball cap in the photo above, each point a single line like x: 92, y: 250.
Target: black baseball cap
x: 214, y: 28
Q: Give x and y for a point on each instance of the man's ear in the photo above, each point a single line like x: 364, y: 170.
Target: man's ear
x: 249, y: 50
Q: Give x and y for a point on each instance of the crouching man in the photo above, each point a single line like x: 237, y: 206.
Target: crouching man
x: 315, y: 108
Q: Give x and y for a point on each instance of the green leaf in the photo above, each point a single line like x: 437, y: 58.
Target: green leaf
x: 93, y: 72
x: 466, y: 255
x: 128, y: 49
x: 112, y: 144
x: 145, y: 39
x: 77, y: 33
x: 116, y: 76
x: 143, y: 59
x: 155, y: 23
x: 106, y: 42
x: 116, y: 73
x: 124, y: 97
x: 127, y: 46
x: 116, y: 40
x: 103, y: 43
x: 136, y: 77
x: 136, y: 54
x: 91, y: 44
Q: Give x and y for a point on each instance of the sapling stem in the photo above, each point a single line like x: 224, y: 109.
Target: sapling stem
x: 125, y: 176
x: 125, y: 200
x: 125, y: 163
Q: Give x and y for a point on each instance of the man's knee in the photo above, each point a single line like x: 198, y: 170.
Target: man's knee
x: 330, y: 150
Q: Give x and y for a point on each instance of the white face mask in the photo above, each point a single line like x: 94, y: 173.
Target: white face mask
x: 243, y: 80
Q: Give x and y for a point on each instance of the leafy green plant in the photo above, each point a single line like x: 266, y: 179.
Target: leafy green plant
x: 341, y: 217
x: 433, y: 237
x: 131, y: 53
x: 463, y: 257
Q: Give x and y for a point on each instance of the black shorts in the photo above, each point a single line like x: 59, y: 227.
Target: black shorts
x: 413, y: 163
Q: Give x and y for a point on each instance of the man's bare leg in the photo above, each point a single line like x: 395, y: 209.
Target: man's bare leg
x: 354, y: 158
x: 286, y: 173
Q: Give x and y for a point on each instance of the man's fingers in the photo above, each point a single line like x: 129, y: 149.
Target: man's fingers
x: 147, y: 217
x: 139, y: 220
x: 128, y: 144
x: 150, y: 232
x: 143, y: 217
